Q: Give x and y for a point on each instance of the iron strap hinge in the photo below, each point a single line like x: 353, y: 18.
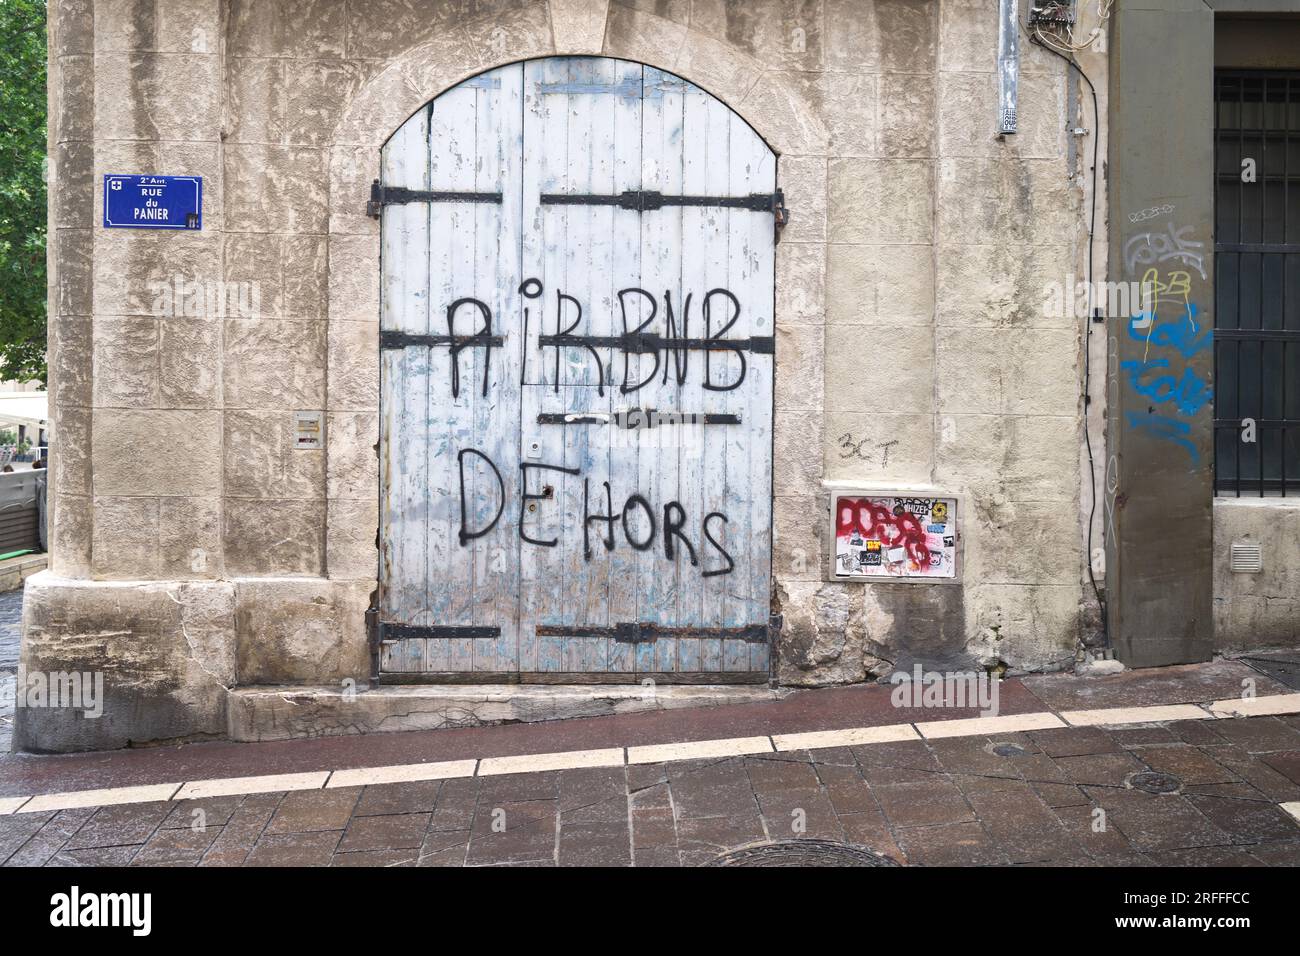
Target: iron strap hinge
x: 390, y: 631
x: 381, y: 196
x: 645, y: 200
x: 395, y: 339
x: 640, y: 632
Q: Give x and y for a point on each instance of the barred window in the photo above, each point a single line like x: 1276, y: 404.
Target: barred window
x: 1257, y: 283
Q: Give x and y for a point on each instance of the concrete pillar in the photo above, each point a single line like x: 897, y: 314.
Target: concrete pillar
x: 1160, y: 421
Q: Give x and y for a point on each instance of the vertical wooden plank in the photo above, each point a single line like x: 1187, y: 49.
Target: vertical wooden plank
x: 625, y: 273
x: 741, y: 262
x: 761, y: 303
x: 452, y: 262
x: 714, y: 259
x: 498, y: 168
x: 700, y: 232
x: 575, y: 369
x: 546, y: 156
x: 404, y: 307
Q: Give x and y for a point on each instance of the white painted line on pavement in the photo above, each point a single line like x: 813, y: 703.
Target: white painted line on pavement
x: 700, y: 749
x: 852, y: 737
x: 9, y: 805
x: 1256, y: 706
x: 75, y: 799
x: 974, y: 726
x: 229, y: 786
x: 535, y: 763
x: 655, y: 753
x: 1134, y: 715
x: 401, y: 773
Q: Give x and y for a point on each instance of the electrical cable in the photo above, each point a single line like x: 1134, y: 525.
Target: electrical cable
x: 1087, y: 340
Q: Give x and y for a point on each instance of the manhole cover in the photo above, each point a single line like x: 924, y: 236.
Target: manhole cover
x: 1151, y: 781
x: 1008, y: 750
x: 802, y: 853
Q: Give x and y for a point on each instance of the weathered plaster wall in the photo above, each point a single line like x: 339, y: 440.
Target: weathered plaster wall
x: 910, y: 318
x: 1256, y: 611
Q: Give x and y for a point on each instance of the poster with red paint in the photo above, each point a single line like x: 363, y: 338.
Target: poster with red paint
x: 895, y: 537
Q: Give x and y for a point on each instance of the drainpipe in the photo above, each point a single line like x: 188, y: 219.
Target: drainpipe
x: 1008, y: 65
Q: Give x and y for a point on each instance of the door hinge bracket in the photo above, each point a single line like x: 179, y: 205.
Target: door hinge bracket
x: 648, y: 200
x: 381, y: 196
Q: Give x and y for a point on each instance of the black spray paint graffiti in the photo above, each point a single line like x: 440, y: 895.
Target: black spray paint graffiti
x: 720, y: 307
x: 673, y: 523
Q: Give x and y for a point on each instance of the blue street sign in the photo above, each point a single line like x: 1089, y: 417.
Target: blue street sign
x: 153, y: 202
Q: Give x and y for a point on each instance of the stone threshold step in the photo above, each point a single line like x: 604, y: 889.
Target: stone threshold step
x: 267, y: 712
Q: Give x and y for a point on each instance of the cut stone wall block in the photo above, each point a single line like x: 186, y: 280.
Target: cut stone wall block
x: 273, y: 364
x: 353, y: 463
x: 803, y: 180
x: 274, y: 536
x: 164, y: 650
x: 353, y: 526
x: 70, y: 456
x: 189, y: 363
x: 189, y: 538
x: 851, y: 114
x: 799, y: 525
x: 262, y: 462
x: 72, y: 534
x: 879, y: 367
x: 157, y: 452
x: 126, y: 363
x: 801, y: 290
x: 783, y: 34
x: 155, y: 96
x: 297, y: 632
x: 74, y: 101
x: 883, y: 35
x: 126, y: 538
x: 353, y: 366
x: 797, y: 459
x: 881, y: 201
x: 74, y: 271
x: 354, y: 278
x: 276, y: 188
x: 880, y: 285
x: 71, y: 361
x: 879, y: 447
x: 999, y: 284
x: 998, y: 202
x: 638, y: 35
x: 800, y: 366
x: 997, y: 371
x: 296, y: 28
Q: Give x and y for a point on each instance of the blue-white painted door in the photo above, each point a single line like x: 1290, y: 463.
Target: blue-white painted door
x: 576, y: 396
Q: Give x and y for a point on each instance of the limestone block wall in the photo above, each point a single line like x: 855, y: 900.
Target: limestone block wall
x: 912, y: 344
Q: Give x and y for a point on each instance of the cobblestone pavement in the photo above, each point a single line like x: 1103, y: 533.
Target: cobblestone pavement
x: 959, y: 801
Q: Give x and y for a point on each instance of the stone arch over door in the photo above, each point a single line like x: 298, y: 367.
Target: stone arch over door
x: 771, y: 103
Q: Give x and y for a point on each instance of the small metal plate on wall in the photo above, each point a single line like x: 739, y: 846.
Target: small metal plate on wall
x: 308, y: 430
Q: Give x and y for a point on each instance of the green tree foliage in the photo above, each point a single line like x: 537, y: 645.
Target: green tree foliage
x: 22, y: 189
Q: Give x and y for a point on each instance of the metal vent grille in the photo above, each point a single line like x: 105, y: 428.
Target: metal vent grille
x: 1246, y: 558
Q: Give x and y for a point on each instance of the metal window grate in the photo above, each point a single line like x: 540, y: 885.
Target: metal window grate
x: 1257, y: 283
